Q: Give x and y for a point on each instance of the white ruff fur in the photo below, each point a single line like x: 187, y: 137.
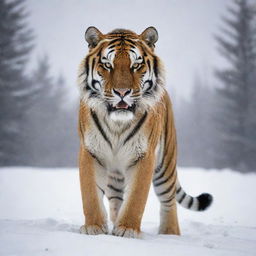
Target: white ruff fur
x: 121, y: 116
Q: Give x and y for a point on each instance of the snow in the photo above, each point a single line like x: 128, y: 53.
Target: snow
x: 41, y: 213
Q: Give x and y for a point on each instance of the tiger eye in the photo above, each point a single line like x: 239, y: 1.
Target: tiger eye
x: 107, y: 65
x: 136, y: 65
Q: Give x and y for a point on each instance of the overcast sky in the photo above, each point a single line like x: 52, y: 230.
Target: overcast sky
x: 186, y: 28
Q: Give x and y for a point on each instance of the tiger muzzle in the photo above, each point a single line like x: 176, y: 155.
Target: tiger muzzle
x: 122, y: 93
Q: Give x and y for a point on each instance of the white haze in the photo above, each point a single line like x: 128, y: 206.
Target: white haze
x: 186, y: 28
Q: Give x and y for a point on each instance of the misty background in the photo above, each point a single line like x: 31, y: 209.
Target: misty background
x: 209, y: 52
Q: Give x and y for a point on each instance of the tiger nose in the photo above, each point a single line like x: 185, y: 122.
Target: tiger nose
x: 122, y: 91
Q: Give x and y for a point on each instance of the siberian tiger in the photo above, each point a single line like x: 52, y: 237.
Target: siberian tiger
x: 127, y: 135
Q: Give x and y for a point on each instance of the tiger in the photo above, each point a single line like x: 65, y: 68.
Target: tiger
x: 127, y: 135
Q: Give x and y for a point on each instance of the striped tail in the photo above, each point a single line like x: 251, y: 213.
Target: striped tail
x: 199, y: 203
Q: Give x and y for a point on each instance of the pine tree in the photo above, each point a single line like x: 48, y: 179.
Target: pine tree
x: 236, y: 115
x: 195, y: 129
x: 51, y: 122
x: 42, y: 115
x: 15, y: 89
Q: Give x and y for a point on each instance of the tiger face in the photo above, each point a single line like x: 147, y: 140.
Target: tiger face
x: 121, y: 75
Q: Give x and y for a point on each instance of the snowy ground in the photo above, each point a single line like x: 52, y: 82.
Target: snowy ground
x: 41, y: 213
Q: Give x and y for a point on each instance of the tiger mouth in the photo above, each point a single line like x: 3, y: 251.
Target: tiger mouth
x: 121, y: 106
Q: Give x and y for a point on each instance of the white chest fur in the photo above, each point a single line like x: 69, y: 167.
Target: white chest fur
x: 114, y: 146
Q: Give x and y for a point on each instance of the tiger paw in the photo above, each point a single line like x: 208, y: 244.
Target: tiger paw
x: 94, y: 229
x: 126, y: 232
x: 169, y: 231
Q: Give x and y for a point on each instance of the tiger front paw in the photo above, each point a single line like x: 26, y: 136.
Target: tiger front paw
x: 94, y: 229
x: 126, y: 232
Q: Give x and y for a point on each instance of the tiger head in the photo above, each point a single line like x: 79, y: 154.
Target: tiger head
x: 121, y: 75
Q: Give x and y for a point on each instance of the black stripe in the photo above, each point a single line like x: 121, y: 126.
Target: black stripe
x: 167, y: 190
x: 141, y: 67
x: 99, y: 74
x: 136, y: 161
x: 97, y: 122
x: 93, y: 64
x: 155, y: 88
x: 88, y: 88
x: 149, y: 67
x: 93, y: 94
x: 113, y: 41
x: 133, y: 163
x: 182, y: 198
x: 101, y: 189
x: 95, y: 82
x: 155, y: 66
x: 116, y: 179
x: 115, y: 189
x: 115, y: 197
x: 117, y: 45
x: 130, y: 41
x: 161, y: 176
x: 99, y: 53
x: 150, y: 82
x: 117, y: 172
x: 133, y: 52
x: 87, y: 66
x: 163, y: 172
x: 112, y: 46
x: 151, y: 134
x: 83, y: 73
x: 117, y: 32
x: 84, y: 81
x: 96, y: 158
x: 136, y: 128
x: 131, y: 45
x: 164, y: 181
x: 191, y: 200
x: 110, y: 52
x: 166, y: 129
x: 178, y: 190
x: 142, y: 74
x: 148, y: 94
x: 168, y: 200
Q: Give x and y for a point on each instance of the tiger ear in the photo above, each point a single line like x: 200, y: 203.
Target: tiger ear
x: 93, y: 36
x: 150, y: 36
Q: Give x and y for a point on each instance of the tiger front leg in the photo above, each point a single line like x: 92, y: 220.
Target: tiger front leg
x: 114, y: 193
x: 94, y: 211
x: 129, y: 218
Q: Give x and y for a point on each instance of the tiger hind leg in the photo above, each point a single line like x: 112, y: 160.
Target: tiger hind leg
x: 169, y: 220
x: 165, y: 188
